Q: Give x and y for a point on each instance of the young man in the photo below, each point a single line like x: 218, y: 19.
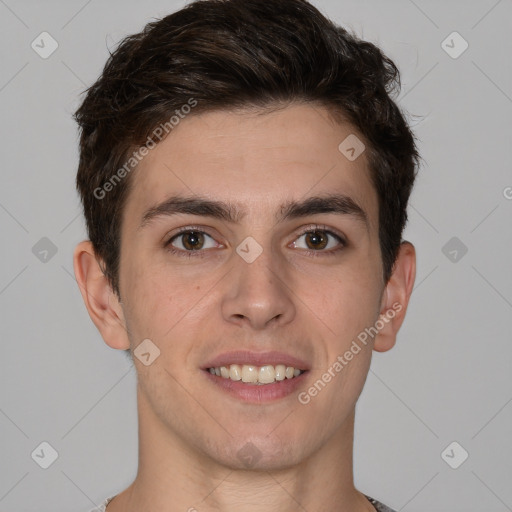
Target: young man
x: 245, y: 177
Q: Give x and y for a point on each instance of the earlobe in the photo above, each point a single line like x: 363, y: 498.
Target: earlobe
x: 101, y: 302
x: 395, y: 298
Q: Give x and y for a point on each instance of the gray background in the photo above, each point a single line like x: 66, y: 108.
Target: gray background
x: 447, y: 379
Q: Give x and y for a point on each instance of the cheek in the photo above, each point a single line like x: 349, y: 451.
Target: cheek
x: 349, y: 300
x: 163, y: 305
x: 147, y: 300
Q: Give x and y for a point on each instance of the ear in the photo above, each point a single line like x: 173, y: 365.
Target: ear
x: 102, y: 303
x: 395, y: 297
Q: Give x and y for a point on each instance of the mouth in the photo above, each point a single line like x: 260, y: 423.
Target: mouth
x: 256, y: 377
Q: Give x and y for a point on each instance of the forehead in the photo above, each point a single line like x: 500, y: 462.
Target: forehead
x: 255, y: 159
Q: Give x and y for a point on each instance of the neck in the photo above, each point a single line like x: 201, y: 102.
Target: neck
x: 175, y: 476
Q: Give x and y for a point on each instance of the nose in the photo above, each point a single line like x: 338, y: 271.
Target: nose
x: 258, y: 294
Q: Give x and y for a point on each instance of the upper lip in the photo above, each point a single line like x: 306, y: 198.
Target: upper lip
x: 255, y: 359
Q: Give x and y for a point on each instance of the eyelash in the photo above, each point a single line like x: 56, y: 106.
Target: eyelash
x: 202, y: 253
x: 181, y: 252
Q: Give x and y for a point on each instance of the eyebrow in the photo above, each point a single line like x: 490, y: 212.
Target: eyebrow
x: 201, y: 206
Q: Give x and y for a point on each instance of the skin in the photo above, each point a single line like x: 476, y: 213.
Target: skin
x: 306, y: 303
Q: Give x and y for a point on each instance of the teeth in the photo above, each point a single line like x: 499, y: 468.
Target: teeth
x: 249, y: 373
x: 267, y: 374
x: 235, y: 372
x: 256, y: 375
x: 280, y: 372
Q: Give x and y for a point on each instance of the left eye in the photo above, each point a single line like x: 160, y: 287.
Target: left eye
x: 317, y: 240
x: 192, y: 241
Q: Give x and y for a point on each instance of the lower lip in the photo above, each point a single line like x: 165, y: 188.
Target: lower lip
x: 255, y: 393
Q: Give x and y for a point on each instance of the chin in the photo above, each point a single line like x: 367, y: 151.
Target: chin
x: 260, y: 452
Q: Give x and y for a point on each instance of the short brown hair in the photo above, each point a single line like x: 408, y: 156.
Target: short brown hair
x: 228, y: 54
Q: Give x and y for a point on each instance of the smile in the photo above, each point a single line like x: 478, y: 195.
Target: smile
x: 259, y: 375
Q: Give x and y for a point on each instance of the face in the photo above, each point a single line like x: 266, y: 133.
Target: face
x: 267, y: 254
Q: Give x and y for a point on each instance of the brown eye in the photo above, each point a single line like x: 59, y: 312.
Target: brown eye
x: 193, y: 240
x: 320, y: 241
x: 316, y: 240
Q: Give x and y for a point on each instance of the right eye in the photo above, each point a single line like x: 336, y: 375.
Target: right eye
x: 189, y: 240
